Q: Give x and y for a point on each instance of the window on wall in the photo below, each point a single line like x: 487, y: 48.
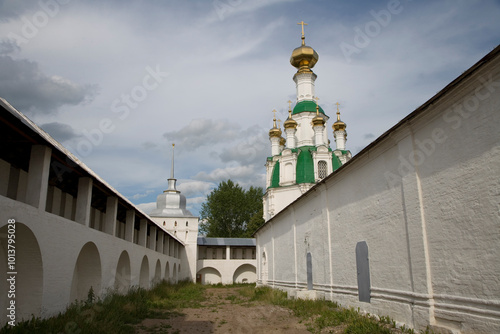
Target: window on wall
x: 186, y: 223
x: 175, y: 223
x: 322, y: 169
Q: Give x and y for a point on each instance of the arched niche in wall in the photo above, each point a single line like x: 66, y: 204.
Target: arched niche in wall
x: 246, y: 273
x: 87, y: 273
x: 157, y: 277
x: 210, y: 275
x: 29, y: 268
x: 144, y: 273
x: 123, y: 276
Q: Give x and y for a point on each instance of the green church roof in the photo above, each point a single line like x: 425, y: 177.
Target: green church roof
x: 275, y: 178
x: 303, y: 106
x: 305, y: 166
x: 336, y: 162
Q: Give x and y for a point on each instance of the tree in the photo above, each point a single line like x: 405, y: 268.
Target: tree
x: 229, y: 209
x: 255, y: 222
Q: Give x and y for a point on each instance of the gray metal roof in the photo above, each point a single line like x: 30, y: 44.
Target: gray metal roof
x: 203, y: 241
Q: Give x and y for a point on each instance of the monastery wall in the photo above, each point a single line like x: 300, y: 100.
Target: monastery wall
x: 65, y: 231
x: 58, y: 260
x: 424, y: 201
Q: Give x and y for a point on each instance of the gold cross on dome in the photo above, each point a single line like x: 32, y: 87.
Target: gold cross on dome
x: 303, y: 36
x: 289, y: 105
x: 274, y: 111
x: 338, y: 104
x: 279, y: 123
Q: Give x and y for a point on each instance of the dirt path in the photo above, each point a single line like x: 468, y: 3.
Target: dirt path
x: 226, y: 311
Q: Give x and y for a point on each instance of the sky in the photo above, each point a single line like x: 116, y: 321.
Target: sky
x: 118, y: 82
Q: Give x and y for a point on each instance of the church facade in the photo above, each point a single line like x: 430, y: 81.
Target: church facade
x: 409, y: 227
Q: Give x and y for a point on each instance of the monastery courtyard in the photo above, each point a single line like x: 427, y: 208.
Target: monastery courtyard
x: 229, y: 309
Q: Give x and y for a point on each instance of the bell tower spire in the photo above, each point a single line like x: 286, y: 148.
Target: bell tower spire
x: 172, y: 180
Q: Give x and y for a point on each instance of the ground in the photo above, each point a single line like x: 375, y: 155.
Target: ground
x: 226, y: 311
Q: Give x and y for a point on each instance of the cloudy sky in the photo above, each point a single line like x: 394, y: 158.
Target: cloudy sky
x: 117, y: 82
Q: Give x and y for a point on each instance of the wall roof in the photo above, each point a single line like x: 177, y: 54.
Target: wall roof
x: 203, y: 241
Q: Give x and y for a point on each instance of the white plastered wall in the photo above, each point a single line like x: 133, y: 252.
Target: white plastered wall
x: 425, y: 199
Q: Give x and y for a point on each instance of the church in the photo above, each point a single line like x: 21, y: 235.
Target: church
x: 408, y: 227
x: 303, y: 157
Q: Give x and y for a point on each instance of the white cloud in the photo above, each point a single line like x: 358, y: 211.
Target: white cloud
x: 147, y: 207
x: 189, y: 187
x: 142, y: 195
x: 245, y: 176
x: 202, y: 132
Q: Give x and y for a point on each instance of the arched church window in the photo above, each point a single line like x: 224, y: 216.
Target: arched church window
x: 163, y: 223
x: 175, y: 223
x: 322, y: 169
x: 186, y: 223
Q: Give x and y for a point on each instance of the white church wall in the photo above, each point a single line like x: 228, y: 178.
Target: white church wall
x: 425, y: 200
x: 283, y: 272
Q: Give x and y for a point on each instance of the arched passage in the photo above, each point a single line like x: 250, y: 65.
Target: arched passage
x: 87, y: 273
x: 144, y: 275
x: 174, y: 274
x: 29, y: 268
x: 246, y: 273
x: 123, y: 275
x: 210, y: 275
x: 157, y: 277
x: 167, y: 272
x: 263, y: 268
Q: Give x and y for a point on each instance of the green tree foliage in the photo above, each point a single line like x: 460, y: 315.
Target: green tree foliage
x: 255, y: 222
x: 229, y: 210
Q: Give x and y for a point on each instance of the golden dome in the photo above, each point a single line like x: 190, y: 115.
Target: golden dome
x: 275, y: 131
x: 338, y: 125
x: 290, y: 122
x: 282, y: 141
x: 304, y: 57
x: 318, y: 120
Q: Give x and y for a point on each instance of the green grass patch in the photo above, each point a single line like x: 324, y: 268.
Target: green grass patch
x: 115, y: 313
x: 320, y: 314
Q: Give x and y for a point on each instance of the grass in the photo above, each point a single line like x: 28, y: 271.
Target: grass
x: 116, y: 313
x: 319, y: 314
